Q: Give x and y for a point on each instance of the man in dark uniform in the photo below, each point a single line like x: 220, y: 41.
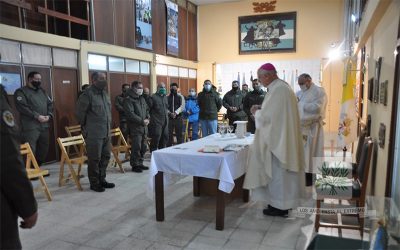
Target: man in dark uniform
x: 245, y: 89
x: 119, y: 105
x: 137, y: 114
x: 17, y: 199
x: 94, y: 116
x: 146, y: 95
x: 233, y: 102
x: 255, y: 97
x: 176, y: 105
x: 36, y: 110
x: 159, y: 118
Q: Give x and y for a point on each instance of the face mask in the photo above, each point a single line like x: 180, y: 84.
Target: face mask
x: 207, y: 87
x: 303, y: 87
x: 139, y: 91
x: 174, y: 91
x: 162, y: 91
x: 235, y: 88
x: 101, y: 84
x: 192, y: 93
x: 36, y: 84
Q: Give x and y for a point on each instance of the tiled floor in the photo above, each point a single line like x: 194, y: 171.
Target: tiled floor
x: 124, y: 218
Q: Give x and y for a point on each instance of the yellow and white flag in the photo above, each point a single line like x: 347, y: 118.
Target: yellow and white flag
x: 348, y: 118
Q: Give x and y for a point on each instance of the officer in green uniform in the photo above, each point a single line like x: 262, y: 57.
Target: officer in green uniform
x: 119, y: 106
x: 233, y: 102
x: 36, y: 110
x: 137, y: 115
x: 17, y: 199
x: 94, y: 115
x: 255, y: 97
x: 159, y: 118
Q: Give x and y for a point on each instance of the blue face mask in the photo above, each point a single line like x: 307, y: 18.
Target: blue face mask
x: 207, y: 87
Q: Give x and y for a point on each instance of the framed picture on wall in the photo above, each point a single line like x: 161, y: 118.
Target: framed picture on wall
x: 143, y: 33
x: 172, y: 28
x: 10, y: 81
x: 383, y: 92
x: 267, y: 33
x: 370, y: 89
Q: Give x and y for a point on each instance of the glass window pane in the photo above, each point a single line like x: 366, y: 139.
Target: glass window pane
x: 132, y: 66
x: 35, y: 54
x: 97, y: 62
x: 192, y: 73
x: 10, y: 51
x: 144, y: 68
x: 161, y: 70
x: 116, y: 64
x: 173, y: 71
x: 65, y: 58
x: 183, y: 72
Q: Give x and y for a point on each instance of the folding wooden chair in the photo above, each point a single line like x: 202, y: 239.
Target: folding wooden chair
x: 73, y: 131
x: 34, y: 172
x: 79, y: 159
x: 119, y: 145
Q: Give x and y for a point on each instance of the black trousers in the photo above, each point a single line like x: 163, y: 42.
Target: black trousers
x: 175, y: 125
x: 251, y: 126
x: 38, y: 139
x: 98, y: 153
x: 159, y: 136
x: 138, y: 149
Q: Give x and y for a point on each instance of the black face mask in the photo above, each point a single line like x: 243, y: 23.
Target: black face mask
x: 36, y: 84
x: 173, y: 91
x: 101, y: 84
x: 235, y: 88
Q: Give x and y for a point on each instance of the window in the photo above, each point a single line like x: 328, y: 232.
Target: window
x: 65, y: 58
x: 183, y: 72
x: 192, y: 73
x: 35, y: 54
x: 97, y: 62
x: 161, y: 70
x: 144, y: 68
x: 116, y: 64
x: 10, y: 51
x: 132, y: 66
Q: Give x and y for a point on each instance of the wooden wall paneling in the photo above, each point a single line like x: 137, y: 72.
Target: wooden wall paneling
x: 124, y: 23
x: 184, y: 86
x: 115, y: 85
x: 183, y: 33
x: 47, y: 86
x: 192, y: 36
x: 159, y: 18
x: 163, y: 79
x: 145, y: 80
x: 104, y: 21
x: 65, y: 82
x: 192, y: 83
x: 131, y: 77
x: 9, y: 15
x: 33, y: 19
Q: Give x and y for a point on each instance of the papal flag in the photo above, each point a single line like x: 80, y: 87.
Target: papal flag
x: 348, y: 119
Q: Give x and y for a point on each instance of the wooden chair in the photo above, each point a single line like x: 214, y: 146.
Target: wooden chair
x: 358, y: 188
x: 36, y: 171
x: 78, y: 159
x: 73, y: 131
x: 119, y: 145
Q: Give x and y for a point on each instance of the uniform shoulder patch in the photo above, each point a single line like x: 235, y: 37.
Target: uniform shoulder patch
x: 8, y: 118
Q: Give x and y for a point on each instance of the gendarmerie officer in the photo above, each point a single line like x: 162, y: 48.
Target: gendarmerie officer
x: 17, y: 199
x: 255, y: 97
x: 137, y: 115
x: 36, y: 110
x: 158, y: 126
x: 94, y: 116
x: 119, y: 105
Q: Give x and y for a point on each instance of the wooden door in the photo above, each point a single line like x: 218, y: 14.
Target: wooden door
x: 132, y: 77
x: 184, y: 86
x: 163, y: 79
x: 65, y: 83
x: 145, y: 80
x: 47, y: 86
x: 115, y: 85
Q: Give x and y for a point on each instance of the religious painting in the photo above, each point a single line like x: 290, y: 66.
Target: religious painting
x: 267, y: 33
x: 10, y: 81
x: 172, y: 28
x: 143, y: 33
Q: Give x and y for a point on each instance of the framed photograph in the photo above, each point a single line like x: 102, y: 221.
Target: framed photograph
x: 143, y: 33
x: 376, y: 91
x: 172, y: 28
x: 267, y: 33
x: 383, y: 92
x: 10, y: 81
x: 371, y: 89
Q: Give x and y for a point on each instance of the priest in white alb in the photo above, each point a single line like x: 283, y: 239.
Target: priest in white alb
x: 276, y: 161
x: 312, y: 107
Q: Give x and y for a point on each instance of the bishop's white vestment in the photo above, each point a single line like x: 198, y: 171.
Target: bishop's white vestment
x: 276, y: 158
x: 312, y: 107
